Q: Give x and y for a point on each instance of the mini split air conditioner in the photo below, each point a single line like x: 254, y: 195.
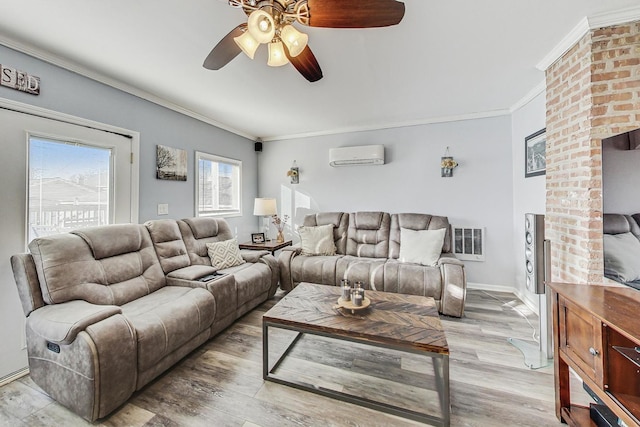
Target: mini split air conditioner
x: 355, y: 156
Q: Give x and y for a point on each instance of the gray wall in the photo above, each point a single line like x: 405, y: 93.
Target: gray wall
x: 480, y: 193
x: 70, y: 93
x: 528, y: 193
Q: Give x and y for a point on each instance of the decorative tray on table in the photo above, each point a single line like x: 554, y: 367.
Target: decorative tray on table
x: 348, y: 305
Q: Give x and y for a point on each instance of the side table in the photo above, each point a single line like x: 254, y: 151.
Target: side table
x: 271, y: 246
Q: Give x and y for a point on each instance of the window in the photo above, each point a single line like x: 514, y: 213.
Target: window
x: 70, y: 186
x: 218, y: 185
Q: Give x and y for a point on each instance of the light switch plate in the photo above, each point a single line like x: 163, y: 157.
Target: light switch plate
x: 163, y: 209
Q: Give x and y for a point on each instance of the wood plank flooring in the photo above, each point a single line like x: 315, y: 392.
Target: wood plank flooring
x: 220, y: 384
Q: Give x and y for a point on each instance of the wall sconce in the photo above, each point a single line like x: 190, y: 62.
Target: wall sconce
x: 294, y: 173
x: 447, y: 164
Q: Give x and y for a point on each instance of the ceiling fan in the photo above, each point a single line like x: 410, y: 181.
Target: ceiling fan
x: 269, y: 22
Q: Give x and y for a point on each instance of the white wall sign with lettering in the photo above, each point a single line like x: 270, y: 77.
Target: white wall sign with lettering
x: 19, y: 80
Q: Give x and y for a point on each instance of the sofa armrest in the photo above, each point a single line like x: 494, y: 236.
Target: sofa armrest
x: 449, y: 259
x: 253, y: 256
x: 284, y: 263
x: 61, y: 323
x: 454, y: 286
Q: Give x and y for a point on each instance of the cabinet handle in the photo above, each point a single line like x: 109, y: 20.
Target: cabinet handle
x: 593, y: 351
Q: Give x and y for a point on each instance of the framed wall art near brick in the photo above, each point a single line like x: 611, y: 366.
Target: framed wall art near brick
x: 535, y: 160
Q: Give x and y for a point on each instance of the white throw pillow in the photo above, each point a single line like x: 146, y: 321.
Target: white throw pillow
x: 421, y: 246
x: 225, y: 254
x: 317, y: 240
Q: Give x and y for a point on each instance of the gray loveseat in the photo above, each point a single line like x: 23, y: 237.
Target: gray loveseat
x: 110, y: 308
x: 367, y: 249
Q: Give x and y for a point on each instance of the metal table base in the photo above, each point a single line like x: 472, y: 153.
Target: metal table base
x: 440, y: 363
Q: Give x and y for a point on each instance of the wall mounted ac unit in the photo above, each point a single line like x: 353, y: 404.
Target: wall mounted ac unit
x: 358, y: 155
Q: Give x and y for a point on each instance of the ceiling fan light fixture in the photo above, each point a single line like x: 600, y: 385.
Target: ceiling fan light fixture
x: 261, y: 26
x: 277, y: 57
x: 293, y: 39
x: 247, y: 43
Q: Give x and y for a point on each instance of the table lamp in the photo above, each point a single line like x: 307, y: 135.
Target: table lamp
x: 266, y: 208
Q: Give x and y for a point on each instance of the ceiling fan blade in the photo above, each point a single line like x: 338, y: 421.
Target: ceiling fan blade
x: 354, y: 13
x: 225, y: 50
x: 306, y: 63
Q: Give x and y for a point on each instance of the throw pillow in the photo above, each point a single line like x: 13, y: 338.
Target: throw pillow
x: 622, y: 257
x: 224, y: 254
x: 421, y: 246
x: 317, y: 240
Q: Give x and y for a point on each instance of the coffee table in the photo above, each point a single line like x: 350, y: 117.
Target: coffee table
x: 407, y: 323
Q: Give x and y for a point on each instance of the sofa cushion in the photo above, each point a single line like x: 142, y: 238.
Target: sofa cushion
x: 416, y: 221
x: 368, y: 234
x: 111, y: 264
x: 225, y: 254
x: 369, y: 271
x: 421, y: 246
x: 167, y: 240
x: 166, y: 319
x: 252, y: 280
x: 317, y: 240
x: 316, y: 269
x: 412, y: 279
x: 622, y: 257
x: 340, y: 222
x: 197, y: 232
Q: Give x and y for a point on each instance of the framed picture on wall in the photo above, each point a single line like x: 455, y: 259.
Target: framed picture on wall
x: 535, y: 160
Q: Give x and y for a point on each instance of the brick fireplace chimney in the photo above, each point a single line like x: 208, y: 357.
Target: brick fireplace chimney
x: 593, y: 93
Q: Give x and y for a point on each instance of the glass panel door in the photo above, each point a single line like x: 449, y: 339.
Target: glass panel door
x: 70, y: 186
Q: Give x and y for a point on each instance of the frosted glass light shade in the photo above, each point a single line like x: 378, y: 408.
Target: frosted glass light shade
x: 294, y: 39
x: 277, y: 57
x: 261, y: 26
x: 264, y: 207
x: 248, y: 44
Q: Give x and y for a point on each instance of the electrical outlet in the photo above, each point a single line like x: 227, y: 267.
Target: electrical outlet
x: 163, y: 209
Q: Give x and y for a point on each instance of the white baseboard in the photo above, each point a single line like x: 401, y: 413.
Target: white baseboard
x: 502, y: 288
x: 487, y: 287
x: 14, y: 376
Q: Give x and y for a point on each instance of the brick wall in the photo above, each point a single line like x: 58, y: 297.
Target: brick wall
x: 593, y: 92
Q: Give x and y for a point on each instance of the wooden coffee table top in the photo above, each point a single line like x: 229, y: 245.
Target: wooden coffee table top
x: 402, y: 321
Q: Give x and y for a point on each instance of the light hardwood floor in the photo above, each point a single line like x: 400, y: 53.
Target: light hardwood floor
x: 220, y: 384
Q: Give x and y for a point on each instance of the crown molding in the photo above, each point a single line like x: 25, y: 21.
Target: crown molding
x: 537, y: 90
x: 75, y: 67
x: 585, y: 25
x: 390, y: 125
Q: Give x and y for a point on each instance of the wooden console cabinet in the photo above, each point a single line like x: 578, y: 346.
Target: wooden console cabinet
x: 597, y: 334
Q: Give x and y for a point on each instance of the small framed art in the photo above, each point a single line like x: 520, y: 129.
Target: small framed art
x: 257, y: 237
x: 535, y: 160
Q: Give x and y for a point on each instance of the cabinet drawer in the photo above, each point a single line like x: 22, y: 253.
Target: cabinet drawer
x: 581, y: 338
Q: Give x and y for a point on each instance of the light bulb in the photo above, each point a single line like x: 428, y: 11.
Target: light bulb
x: 261, y: 26
x: 294, y: 39
x: 277, y: 57
x: 248, y: 44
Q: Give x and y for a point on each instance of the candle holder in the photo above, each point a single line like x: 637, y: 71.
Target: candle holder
x: 346, y: 289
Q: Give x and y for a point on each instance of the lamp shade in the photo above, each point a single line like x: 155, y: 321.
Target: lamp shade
x: 277, y: 56
x: 247, y: 43
x: 265, y: 207
x: 294, y: 39
x: 261, y: 26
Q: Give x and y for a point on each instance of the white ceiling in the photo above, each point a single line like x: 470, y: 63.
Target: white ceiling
x: 447, y: 59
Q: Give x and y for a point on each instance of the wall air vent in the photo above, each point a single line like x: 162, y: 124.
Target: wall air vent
x: 357, y: 156
x: 468, y: 243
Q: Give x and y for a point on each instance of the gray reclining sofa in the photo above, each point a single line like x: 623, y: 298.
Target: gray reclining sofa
x: 367, y: 249
x: 110, y: 308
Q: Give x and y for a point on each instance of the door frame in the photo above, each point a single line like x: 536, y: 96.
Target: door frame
x: 79, y: 121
